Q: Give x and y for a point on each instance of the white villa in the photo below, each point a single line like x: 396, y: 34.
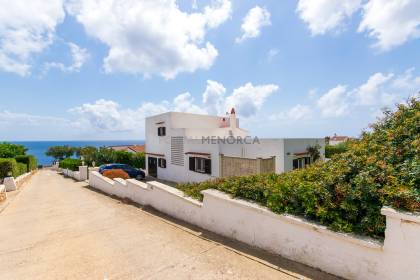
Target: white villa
x: 183, y: 147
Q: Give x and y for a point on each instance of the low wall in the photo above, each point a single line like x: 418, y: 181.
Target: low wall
x: 3, y: 193
x: 80, y: 175
x: 292, y: 237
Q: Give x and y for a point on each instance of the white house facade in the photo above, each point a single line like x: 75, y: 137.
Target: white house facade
x: 183, y: 147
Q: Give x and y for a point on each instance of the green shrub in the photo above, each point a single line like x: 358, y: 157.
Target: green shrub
x: 8, y: 150
x: 139, y: 160
x: 29, y: 160
x: 347, y: 192
x: 9, y: 167
x: 70, y: 163
x: 340, y: 148
x: 22, y: 169
x: 123, y: 157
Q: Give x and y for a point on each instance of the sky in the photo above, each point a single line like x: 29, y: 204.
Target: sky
x: 94, y: 69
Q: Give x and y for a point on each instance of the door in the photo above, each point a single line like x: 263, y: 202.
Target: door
x: 152, y: 166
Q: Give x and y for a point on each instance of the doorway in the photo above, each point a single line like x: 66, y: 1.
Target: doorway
x: 152, y: 166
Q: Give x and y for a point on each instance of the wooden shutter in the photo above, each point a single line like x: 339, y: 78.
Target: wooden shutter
x: 207, y: 166
x: 192, y: 163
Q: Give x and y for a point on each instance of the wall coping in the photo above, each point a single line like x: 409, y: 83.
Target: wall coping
x: 138, y: 184
x: 402, y: 215
x: 352, y: 238
x: 121, y: 181
x: 106, y: 179
x: 175, y: 192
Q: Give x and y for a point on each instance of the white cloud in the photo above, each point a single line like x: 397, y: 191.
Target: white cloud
x: 272, y: 53
x: 296, y: 113
x: 334, y: 103
x: 252, y: 23
x: 79, y: 57
x: 26, y: 28
x: 391, y: 22
x: 372, y: 92
x: 213, y: 98
x: 152, y: 36
x: 326, y: 15
x: 248, y: 99
x: 380, y: 90
x: 7, y: 117
x: 107, y: 115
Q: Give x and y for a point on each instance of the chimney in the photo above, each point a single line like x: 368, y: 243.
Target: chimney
x: 232, y: 119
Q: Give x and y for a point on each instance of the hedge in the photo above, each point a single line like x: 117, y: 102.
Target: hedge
x: 340, y: 148
x: 346, y: 193
x: 9, y: 166
x: 29, y: 160
x: 116, y: 173
x: 70, y: 163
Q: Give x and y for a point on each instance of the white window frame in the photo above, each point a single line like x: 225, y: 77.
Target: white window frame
x: 202, y: 168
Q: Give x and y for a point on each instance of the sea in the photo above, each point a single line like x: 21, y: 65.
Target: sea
x: 38, y: 148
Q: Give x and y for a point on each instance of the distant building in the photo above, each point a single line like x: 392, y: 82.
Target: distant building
x: 129, y: 148
x: 336, y: 139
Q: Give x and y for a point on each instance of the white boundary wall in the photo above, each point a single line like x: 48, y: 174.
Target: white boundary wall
x: 294, y: 238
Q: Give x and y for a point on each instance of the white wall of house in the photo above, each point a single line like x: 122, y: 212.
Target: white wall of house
x: 192, y: 128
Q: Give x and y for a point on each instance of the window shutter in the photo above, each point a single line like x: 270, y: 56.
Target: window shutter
x: 163, y: 131
x: 192, y: 163
x: 207, y: 166
x: 163, y: 163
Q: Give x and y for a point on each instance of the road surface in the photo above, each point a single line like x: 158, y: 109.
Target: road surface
x: 56, y: 228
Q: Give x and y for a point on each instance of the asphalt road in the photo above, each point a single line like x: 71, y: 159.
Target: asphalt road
x: 55, y: 228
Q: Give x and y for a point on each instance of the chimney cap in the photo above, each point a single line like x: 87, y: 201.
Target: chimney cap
x: 233, y: 111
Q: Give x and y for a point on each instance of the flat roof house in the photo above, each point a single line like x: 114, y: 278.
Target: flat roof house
x: 183, y: 147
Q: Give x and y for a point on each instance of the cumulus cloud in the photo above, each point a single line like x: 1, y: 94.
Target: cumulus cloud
x: 79, y: 57
x: 334, y: 102
x: 326, y: 15
x: 107, y: 115
x: 296, y: 113
x: 26, y: 28
x: 252, y: 23
x: 213, y: 98
x: 391, y: 23
x: 152, y: 36
x: 380, y: 90
x: 248, y: 99
x: 7, y: 117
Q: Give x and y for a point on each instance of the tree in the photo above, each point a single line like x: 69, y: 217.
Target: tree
x: 88, y: 154
x: 60, y: 152
x: 9, y: 150
x: 314, y: 152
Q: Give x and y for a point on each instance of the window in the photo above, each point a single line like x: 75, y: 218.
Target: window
x: 301, y: 162
x: 162, y: 163
x: 161, y: 131
x: 201, y: 165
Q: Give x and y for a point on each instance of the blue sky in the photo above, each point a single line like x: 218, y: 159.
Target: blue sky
x: 87, y: 69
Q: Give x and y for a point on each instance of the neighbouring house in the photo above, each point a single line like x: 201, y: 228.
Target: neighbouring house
x: 336, y: 139
x: 129, y: 148
x: 183, y: 147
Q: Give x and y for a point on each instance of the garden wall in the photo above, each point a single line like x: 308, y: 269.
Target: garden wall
x: 398, y: 257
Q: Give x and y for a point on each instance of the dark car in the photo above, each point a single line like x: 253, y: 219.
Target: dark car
x: 131, y: 171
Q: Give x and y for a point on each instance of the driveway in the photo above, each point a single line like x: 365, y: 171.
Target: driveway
x: 55, y: 228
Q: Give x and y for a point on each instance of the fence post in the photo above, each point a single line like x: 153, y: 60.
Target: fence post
x: 258, y: 165
x: 221, y: 165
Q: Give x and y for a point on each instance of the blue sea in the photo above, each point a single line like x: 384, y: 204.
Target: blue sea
x: 38, y: 148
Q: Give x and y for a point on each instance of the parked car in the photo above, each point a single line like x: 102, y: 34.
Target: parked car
x: 130, y: 170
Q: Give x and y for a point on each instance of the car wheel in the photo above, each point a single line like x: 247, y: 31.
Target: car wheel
x: 139, y: 177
